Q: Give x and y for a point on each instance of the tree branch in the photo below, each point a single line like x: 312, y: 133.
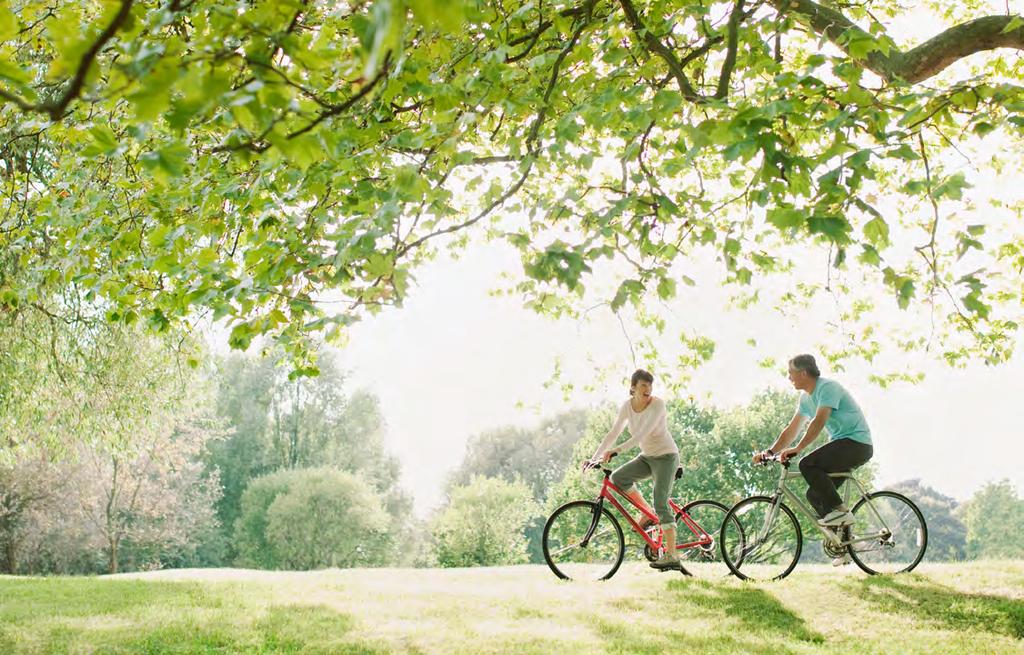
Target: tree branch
x: 919, y: 63
x: 655, y: 46
x: 735, y: 17
x: 56, y: 109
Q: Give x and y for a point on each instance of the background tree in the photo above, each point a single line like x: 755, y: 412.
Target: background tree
x: 313, y: 518
x: 484, y: 524
x: 947, y: 535
x: 28, y: 488
x: 994, y: 516
x: 111, y: 463
x: 536, y: 455
x: 281, y: 422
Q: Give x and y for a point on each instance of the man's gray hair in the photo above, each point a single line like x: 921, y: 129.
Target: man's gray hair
x: 805, y: 363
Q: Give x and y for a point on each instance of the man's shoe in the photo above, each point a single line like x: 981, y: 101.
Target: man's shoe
x: 836, y: 518
x: 645, y: 522
x: 842, y: 560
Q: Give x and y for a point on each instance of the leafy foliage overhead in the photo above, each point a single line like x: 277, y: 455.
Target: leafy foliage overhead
x: 238, y: 158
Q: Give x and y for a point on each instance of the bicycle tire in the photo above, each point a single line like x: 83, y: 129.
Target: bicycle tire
x: 865, y: 566
x: 605, y: 515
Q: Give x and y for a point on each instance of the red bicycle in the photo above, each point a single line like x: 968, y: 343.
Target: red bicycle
x: 582, y: 539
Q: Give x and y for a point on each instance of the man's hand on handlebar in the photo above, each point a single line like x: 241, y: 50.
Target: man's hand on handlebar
x: 788, y: 453
x: 608, y: 456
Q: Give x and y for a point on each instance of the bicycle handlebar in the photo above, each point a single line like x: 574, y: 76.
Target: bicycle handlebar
x: 591, y: 464
x: 774, y: 457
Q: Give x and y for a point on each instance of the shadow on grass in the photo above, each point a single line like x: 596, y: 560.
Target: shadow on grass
x: 58, y: 615
x: 755, y: 610
x: 745, y: 620
x: 943, y: 606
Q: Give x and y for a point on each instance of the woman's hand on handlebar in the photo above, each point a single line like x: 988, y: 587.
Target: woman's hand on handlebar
x: 608, y: 456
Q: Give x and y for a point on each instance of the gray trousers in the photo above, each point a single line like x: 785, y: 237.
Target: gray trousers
x: 663, y: 468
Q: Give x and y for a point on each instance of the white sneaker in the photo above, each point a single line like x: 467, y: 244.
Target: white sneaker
x: 836, y: 518
x: 842, y: 560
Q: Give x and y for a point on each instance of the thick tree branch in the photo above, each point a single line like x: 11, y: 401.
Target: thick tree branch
x: 919, y: 63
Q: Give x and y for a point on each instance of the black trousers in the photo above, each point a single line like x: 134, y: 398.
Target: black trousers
x: 834, y: 457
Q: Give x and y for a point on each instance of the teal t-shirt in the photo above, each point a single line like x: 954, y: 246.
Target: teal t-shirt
x: 846, y: 420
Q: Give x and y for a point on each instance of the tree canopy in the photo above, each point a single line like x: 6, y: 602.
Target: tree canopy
x: 286, y: 165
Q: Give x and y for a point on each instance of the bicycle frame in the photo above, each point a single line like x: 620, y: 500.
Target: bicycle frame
x: 801, y: 507
x: 608, y: 491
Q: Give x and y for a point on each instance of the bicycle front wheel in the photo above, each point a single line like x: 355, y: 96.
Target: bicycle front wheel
x: 583, y: 541
x: 889, y: 534
x: 703, y: 560
x: 761, y: 539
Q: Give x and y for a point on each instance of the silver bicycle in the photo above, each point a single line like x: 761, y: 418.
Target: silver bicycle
x: 761, y: 538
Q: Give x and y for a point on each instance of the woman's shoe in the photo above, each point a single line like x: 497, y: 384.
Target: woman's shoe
x: 666, y: 563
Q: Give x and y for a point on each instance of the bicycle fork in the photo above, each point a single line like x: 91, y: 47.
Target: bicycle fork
x: 762, y: 535
x: 598, y: 506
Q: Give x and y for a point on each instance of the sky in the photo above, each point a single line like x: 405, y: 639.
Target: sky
x: 456, y: 360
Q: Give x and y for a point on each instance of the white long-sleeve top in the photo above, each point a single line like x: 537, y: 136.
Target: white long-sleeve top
x: 648, y: 428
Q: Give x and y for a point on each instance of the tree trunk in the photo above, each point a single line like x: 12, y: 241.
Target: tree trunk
x: 112, y: 562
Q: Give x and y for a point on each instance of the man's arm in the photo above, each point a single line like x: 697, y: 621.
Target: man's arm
x: 813, y: 430
x: 786, y: 436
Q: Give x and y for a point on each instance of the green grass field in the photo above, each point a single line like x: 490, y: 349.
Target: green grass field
x: 943, y: 608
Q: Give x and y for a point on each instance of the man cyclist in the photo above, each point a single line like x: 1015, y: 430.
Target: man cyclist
x: 829, y: 406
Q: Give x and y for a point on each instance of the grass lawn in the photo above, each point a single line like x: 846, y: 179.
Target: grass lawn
x: 943, y: 608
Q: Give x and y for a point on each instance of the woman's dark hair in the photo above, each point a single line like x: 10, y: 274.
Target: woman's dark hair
x: 805, y: 363
x: 640, y: 375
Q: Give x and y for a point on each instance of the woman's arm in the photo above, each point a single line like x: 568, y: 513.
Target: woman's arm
x: 620, y: 424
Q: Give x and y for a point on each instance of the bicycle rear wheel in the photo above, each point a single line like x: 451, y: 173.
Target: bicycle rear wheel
x: 704, y: 561
x: 574, y: 551
x: 889, y: 534
x: 761, y: 539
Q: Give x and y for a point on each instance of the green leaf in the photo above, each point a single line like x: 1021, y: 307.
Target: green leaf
x: 629, y: 290
x: 785, y: 217
x: 1015, y: 23
x: 836, y: 228
x: 877, y: 232
x: 906, y: 292
x: 952, y: 187
x: 166, y: 162
x: 666, y: 288
x: 104, y: 142
x: 448, y: 15
x: 379, y: 265
x: 861, y: 45
x: 8, y: 23
x: 870, y: 256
